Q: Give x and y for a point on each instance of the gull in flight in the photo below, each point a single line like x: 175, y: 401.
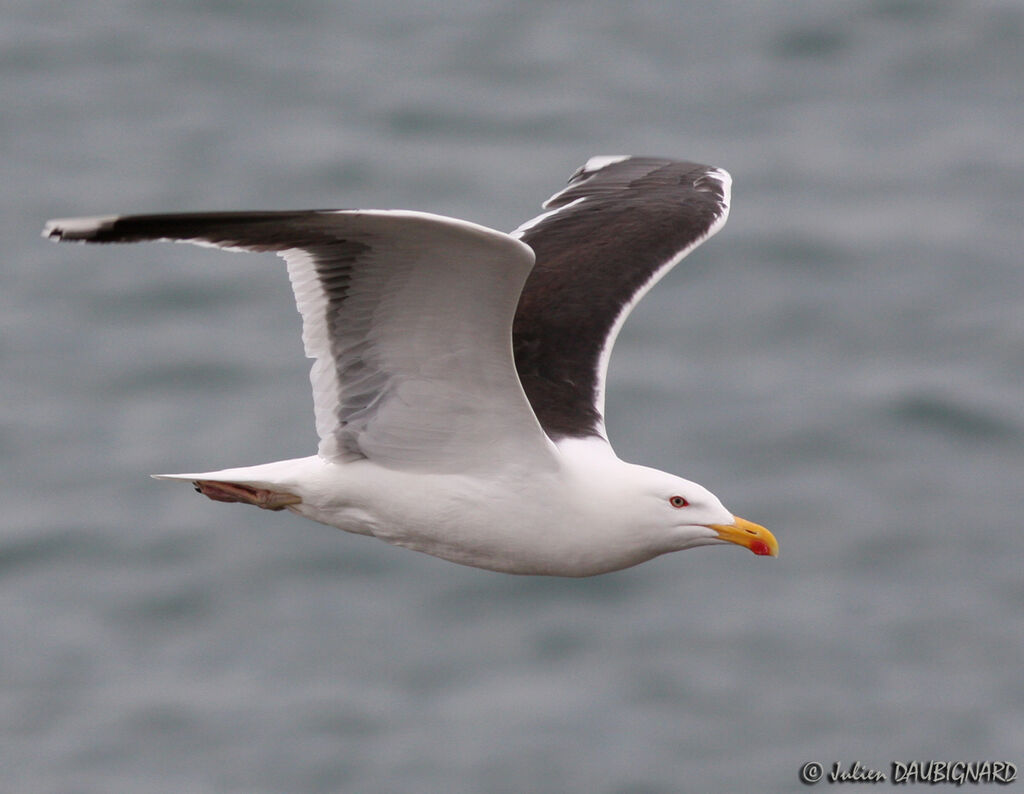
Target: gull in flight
x: 459, y: 372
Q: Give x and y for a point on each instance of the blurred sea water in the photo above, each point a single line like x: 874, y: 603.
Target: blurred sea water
x: 842, y: 363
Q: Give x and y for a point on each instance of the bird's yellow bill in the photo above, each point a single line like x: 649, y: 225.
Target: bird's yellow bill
x: 749, y: 535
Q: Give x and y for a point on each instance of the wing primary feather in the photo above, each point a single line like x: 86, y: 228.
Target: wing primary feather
x: 407, y: 316
x: 619, y: 226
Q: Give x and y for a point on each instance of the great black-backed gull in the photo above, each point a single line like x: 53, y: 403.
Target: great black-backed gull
x: 459, y: 372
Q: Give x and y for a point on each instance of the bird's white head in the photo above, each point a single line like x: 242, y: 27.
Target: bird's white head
x: 650, y: 512
x: 682, y: 514
x: 696, y: 517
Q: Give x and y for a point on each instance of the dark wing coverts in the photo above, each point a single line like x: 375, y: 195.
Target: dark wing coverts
x: 618, y: 227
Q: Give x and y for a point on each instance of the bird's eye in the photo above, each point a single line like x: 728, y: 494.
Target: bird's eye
x: 678, y: 501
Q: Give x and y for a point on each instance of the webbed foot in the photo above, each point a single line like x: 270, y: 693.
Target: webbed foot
x: 233, y: 492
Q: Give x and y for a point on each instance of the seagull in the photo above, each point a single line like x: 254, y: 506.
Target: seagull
x: 459, y: 372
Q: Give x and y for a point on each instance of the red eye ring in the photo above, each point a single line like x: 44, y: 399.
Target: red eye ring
x: 678, y: 501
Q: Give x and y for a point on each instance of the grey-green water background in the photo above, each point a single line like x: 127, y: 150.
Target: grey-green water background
x: 842, y: 363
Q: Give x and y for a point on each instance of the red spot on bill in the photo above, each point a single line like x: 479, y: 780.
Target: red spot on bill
x: 760, y: 547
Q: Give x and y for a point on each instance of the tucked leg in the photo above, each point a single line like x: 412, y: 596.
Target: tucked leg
x: 233, y: 492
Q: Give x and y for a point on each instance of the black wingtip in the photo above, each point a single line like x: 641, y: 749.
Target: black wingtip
x: 82, y: 230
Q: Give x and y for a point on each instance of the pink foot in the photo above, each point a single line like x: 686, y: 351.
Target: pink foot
x: 232, y: 492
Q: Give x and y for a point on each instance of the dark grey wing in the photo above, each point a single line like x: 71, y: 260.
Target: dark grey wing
x: 407, y: 315
x: 619, y: 226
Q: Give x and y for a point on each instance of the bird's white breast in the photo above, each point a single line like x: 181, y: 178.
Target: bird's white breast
x: 511, y: 520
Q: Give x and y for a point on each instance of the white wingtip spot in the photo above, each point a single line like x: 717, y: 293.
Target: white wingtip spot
x: 724, y: 179
x: 76, y: 228
x: 603, y: 161
x: 725, y: 176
